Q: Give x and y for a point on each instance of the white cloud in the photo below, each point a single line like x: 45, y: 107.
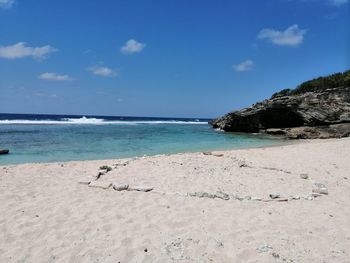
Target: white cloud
x: 54, y: 76
x: 6, y: 4
x: 20, y: 50
x: 132, y: 46
x: 103, y: 71
x: 244, y: 66
x: 338, y: 2
x: 292, y: 36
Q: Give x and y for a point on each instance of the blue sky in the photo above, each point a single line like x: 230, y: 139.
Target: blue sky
x: 184, y: 58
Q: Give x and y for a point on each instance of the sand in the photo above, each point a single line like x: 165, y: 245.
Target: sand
x: 49, y: 214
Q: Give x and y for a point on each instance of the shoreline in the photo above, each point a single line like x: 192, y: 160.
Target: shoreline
x: 285, y: 203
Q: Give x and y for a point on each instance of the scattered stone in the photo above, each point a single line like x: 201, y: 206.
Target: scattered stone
x: 218, y: 154
x: 106, y: 168
x: 141, y: 188
x: 319, y: 185
x: 304, y: 176
x: 323, y: 191
x: 295, y: 197
x: 264, y: 248
x: 248, y: 197
x: 120, y: 187
x: 99, y: 175
x: 237, y: 197
x: 99, y: 184
x: 274, y: 196
x: 202, y: 195
x: 207, y: 153
x: 281, y: 199
x: 222, y: 195
x: 145, y: 250
x: 320, y: 188
x: 275, y: 255
x: 316, y: 194
x: 242, y: 164
x: 84, y: 182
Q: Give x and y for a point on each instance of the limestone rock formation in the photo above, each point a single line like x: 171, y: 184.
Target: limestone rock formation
x: 316, y: 109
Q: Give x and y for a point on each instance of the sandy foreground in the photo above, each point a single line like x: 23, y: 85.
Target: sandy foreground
x: 203, y: 208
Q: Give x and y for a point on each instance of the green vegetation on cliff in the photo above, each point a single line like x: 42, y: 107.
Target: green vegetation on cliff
x: 336, y: 80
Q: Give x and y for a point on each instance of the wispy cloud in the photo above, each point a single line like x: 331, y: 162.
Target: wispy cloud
x: 54, y: 76
x: 244, y: 66
x: 21, y: 50
x: 103, y: 71
x: 292, y: 36
x: 6, y: 4
x: 132, y: 46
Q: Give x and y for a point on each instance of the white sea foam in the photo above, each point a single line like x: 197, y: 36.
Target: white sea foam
x: 94, y: 121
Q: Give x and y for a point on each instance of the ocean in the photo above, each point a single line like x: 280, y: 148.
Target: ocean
x: 56, y: 138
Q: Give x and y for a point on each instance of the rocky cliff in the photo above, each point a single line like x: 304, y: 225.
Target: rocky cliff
x: 319, y: 108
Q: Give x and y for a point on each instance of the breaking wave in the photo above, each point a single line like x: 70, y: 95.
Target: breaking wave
x: 95, y: 121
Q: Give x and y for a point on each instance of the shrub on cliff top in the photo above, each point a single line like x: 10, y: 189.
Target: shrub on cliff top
x: 336, y: 80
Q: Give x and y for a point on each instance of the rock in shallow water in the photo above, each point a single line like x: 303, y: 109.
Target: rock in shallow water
x: 4, y: 151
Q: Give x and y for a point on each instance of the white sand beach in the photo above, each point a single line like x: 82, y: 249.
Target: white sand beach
x: 202, y: 208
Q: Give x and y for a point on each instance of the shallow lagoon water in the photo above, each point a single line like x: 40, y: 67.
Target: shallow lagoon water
x: 90, y: 138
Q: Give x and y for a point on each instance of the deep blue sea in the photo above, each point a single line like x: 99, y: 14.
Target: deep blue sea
x: 52, y: 138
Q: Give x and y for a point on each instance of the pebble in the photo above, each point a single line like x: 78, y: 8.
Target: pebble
x: 274, y: 196
x: 99, y: 184
x: 106, y: 168
x: 264, y: 248
x: 316, y: 195
x: 322, y: 190
x: 201, y: 195
x: 304, y: 176
x: 222, y: 195
x: 85, y: 182
x: 120, y: 187
x: 141, y: 188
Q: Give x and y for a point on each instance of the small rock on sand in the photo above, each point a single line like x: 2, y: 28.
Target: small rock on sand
x: 320, y: 188
x: 304, y: 176
x: 202, y: 195
x: 120, y: 187
x: 141, y: 188
x: 99, y: 184
x: 274, y: 196
x: 222, y: 195
x: 85, y: 182
x: 106, y: 168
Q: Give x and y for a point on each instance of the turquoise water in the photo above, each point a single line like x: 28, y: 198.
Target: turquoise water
x: 88, y: 139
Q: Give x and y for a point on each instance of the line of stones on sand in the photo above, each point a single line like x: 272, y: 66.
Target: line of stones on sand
x: 318, y: 190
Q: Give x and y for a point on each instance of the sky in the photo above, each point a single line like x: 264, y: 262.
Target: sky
x: 174, y: 58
